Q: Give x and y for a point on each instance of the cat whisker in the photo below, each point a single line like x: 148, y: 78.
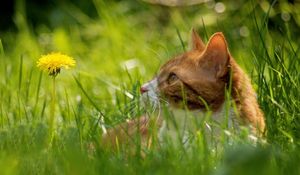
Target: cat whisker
x: 129, y: 105
x: 160, y: 99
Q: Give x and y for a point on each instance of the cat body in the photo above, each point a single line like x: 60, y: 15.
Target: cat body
x: 195, y: 83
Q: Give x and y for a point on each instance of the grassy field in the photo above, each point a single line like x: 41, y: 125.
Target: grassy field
x: 117, y: 49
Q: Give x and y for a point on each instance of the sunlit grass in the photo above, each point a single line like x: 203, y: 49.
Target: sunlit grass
x: 115, y: 53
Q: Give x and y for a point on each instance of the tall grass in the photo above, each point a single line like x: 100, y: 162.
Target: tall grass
x: 116, y: 52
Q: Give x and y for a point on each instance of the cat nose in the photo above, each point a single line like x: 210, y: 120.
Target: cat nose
x: 143, y: 89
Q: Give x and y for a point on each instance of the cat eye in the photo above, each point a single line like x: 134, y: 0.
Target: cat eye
x: 172, y: 77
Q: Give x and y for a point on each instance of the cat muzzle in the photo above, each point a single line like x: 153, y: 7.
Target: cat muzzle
x: 143, y: 90
x: 149, y: 87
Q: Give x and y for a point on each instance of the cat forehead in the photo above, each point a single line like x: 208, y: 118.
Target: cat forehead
x: 183, y: 59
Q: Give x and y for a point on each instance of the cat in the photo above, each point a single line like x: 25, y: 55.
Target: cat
x: 196, y: 81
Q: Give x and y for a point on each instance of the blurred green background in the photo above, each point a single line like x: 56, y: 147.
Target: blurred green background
x: 120, y: 44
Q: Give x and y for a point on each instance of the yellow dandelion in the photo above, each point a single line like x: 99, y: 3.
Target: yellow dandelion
x: 53, y: 62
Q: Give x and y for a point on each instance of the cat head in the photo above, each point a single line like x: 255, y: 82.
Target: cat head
x: 195, y: 79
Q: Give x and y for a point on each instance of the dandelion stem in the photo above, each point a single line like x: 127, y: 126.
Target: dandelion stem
x: 52, y: 112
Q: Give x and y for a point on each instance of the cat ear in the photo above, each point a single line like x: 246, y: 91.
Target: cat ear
x: 197, y: 43
x: 217, y: 55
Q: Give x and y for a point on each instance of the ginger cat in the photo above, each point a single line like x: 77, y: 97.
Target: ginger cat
x: 197, y: 79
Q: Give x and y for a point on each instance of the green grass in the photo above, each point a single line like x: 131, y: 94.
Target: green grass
x: 102, y: 87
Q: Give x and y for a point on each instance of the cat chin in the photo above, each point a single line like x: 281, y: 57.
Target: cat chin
x: 185, y: 122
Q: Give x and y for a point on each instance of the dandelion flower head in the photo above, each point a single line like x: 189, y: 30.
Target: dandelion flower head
x: 53, y: 62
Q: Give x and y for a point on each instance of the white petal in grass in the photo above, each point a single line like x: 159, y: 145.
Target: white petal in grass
x: 208, y: 126
x: 133, y: 63
x: 113, y: 87
x: 78, y: 98
x: 228, y: 133
x: 102, y: 124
